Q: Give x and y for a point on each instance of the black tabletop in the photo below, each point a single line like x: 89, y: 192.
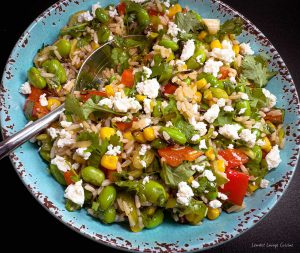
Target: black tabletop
x: 28, y: 223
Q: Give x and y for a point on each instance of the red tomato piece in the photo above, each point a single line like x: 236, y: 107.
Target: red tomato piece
x: 175, y: 156
x: 224, y: 73
x: 236, y: 188
x: 170, y: 88
x: 234, y: 157
x: 121, y: 8
x: 68, y: 177
x: 90, y: 93
x: 128, y: 78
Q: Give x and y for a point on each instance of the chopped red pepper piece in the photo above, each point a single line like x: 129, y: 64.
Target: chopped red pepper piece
x: 234, y: 157
x: 68, y: 177
x: 169, y: 88
x: 88, y: 94
x: 121, y: 8
x: 128, y: 78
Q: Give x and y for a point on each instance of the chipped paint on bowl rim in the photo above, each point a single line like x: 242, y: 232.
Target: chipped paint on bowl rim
x: 32, y: 170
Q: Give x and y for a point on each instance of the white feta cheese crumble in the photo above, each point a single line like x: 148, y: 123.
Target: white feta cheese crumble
x: 230, y: 131
x: 214, y: 134
x: 244, y: 96
x: 199, y: 126
x: 85, y: 17
x: 169, y: 124
x: 111, y: 150
x: 215, y: 203
x: 164, y: 104
x: 173, y: 29
x: 225, y: 54
x: 43, y: 100
x: 260, y: 142
x: 188, y: 50
x: 61, y: 163
x: 125, y: 104
x: 144, y: 149
x: 94, y: 8
x: 273, y: 158
x: 246, y: 49
x: 65, y: 123
x: 264, y: 183
x: 230, y: 146
x: 222, y: 196
x: 160, y: 27
x: 195, y: 184
x: 167, y: 3
x: 82, y: 152
x: 221, y: 102
x: 147, y: 72
x: 242, y: 111
x: 65, y: 139
x: 228, y: 108
x: 146, y: 180
x: 202, y: 145
x: 143, y: 163
x: 198, y: 168
x: 195, y: 137
x: 53, y: 132
x: 212, y: 113
x: 209, y: 175
x: 106, y: 101
x: 164, y: 52
x: 148, y: 88
x: 25, y: 88
x: 75, y: 193
x: 248, y: 137
x: 147, y: 105
x: 270, y: 97
x: 232, y: 79
x: 139, y: 1
x: 184, y: 194
x: 112, y: 12
x: 212, y: 66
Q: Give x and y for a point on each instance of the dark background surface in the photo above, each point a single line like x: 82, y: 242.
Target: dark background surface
x: 29, y: 225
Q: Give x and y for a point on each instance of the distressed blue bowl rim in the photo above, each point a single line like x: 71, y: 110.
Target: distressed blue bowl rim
x: 191, y: 248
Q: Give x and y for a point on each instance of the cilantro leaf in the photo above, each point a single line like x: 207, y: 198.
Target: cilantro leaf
x: 186, y: 128
x: 224, y: 118
x: 255, y: 68
x: 190, y: 21
x: 163, y: 70
x: 120, y: 58
x: 173, y: 176
x: 257, y: 98
x: 73, y: 106
x: 232, y: 26
x: 170, y: 112
x: 89, y: 136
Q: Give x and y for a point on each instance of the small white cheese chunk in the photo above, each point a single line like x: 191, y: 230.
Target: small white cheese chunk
x: 195, y: 184
x: 246, y: 49
x: 215, y: 203
x: 273, y: 158
x: 222, y: 196
x: 212, y: 113
x: 82, y: 152
x: 143, y: 149
x: 146, y: 180
x: 212, y: 66
x: 209, y: 175
x: 184, y: 194
x: 43, y: 100
x: 247, y: 136
x: 75, y: 193
x: 61, y: 163
x: 270, y: 97
x: 202, y: 144
x: 198, y: 168
x: 65, y: 124
x: 148, y: 88
x: 188, y: 50
x: 230, y: 131
x: 264, y: 183
x: 25, y: 88
x: 85, y: 17
x: 114, y: 151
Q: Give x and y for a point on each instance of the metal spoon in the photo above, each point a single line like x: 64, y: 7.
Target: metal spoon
x: 88, y: 74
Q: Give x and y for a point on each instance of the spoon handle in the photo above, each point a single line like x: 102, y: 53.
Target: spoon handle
x: 17, y: 139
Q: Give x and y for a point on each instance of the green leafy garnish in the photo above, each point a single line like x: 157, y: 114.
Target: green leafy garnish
x: 170, y: 112
x: 120, y: 58
x: 257, y: 98
x: 73, y: 29
x: 163, y: 71
x: 232, y: 26
x: 186, y: 128
x: 255, y: 68
x: 224, y: 118
x: 173, y: 176
x: 190, y: 21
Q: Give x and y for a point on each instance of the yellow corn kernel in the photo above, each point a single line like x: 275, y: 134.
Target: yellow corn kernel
x: 109, y: 90
x: 198, y: 97
x: 207, y: 95
x: 252, y: 188
x: 174, y: 9
x: 190, y: 180
x: 149, y: 134
x: 128, y: 136
x: 236, y: 49
x: 201, y: 83
x: 232, y: 36
x: 210, y: 153
x: 139, y: 137
x: 94, y: 45
x: 182, y: 67
x: 109, y: 162
x: 53, y: 103
x: 171, y: 57
x: 215, y: 44
x: 106, y: 132
x: 152, y: 104
x: 140, y: 98
x: 171, y: 203
x: 267, y: 145
x: 219, y: 165
x: 213, y: 213
x: 202, y: 35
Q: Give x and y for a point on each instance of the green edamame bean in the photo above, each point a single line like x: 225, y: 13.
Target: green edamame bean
x: 63, y: 47
x: 175, y: 134
x: 143, y: 18
x: 212, y: 195
x: 243, y: 105
x: 35, y: 78
x: 108, y: 216
x: 214, y: 82
x: 57, y: 174
x: 240, y: 88
x: 102, y: 15
x: 55, y: 67
x: 169, y: 44
x: 71, y: 206
x: 103, y: 34
x: 187, y: 81
x: 158, y: 143
x: 155, y: 220
x: 218, y: 93
x: 257, y: 153
x: 107, y: 197
x: 154, y: 192
x: 197, y: 59
x: 92, y: 175
x: 137, y: 159
x: 45, y: 155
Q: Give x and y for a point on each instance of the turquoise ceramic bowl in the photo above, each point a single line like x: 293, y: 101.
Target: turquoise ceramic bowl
x: 169, y: 237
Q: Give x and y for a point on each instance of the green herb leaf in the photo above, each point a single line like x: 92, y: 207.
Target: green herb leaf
x: 224, y: 118
x: 164, y: 71
x: 257, y: 98
x: 72, y: 106
x: 173, y: 176
x: 186, y: 128
x: 232, y: 26
x: 255, y: 68
x: 120, y: 58
x: 170, y: 112
x: 89, y: 136
x: 190, y: 21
